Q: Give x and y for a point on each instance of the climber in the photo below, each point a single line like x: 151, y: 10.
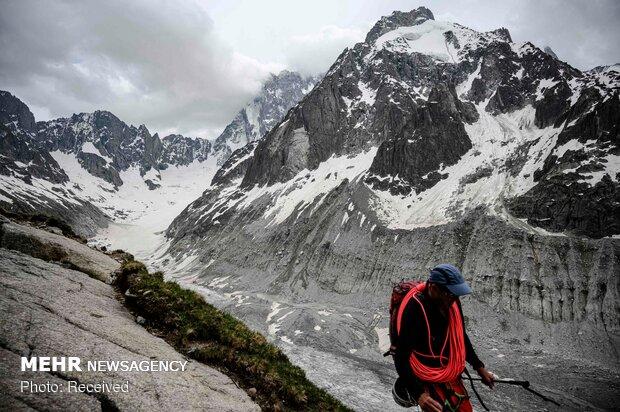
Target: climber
x: 430, y: 347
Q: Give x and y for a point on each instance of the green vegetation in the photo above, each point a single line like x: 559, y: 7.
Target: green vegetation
x: 203, y: 332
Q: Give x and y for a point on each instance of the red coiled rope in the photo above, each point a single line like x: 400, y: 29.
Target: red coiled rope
x: 455, y: 341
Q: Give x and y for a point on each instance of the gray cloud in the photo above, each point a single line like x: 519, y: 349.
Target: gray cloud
x: 583, y: 33
x: 151, y: 62
x: 314, y: 52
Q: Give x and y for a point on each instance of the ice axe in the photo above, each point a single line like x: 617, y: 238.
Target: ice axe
x: 524, y: 384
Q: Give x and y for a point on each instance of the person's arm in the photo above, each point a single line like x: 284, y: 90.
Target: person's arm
x: 472, y: 358
x: 470, y: 354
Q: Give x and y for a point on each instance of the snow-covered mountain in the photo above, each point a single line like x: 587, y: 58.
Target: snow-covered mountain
x: 91, y: 168
x: 105, y: 146
x: 279, y: 93
x: 98, y: 168
x: 428, y: 142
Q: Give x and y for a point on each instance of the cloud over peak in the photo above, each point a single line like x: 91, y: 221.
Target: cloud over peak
x: 152, y: 62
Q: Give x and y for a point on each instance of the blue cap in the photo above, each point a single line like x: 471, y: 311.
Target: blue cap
x: 450, y: 277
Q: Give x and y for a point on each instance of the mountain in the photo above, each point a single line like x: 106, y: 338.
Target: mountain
x: 105, y: 146
x: 91, y: 168
x: 278, y: 94
x: 429, y: 142
x: 31, y: 180
x: 100, y: 168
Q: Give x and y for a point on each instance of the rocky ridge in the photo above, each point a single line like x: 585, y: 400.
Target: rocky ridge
x: 105, y: 146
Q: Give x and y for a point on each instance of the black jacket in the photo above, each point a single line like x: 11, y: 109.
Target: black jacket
x: 414, y: 336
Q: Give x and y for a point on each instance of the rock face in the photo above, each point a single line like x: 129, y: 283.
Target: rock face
x: 23, y: 161
x: 180, y: 150
x: 279, y: 93
x: 50, y: 310
x: 24, y: 166
x: 15, y: 114
x: 427, y: 143
x: 55, y: 247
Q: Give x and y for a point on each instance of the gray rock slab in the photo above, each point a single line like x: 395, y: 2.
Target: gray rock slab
x: 49, y: 310
x: 49, y: 246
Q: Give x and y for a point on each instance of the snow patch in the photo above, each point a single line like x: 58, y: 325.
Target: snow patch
x: 308, y: 186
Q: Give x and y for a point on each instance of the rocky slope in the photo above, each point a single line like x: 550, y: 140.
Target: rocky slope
x: 52, y: 310
x: 428, y: 142
x: 32, y: 182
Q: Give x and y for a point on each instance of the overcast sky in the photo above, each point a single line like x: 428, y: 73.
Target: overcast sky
x: 189, y: 66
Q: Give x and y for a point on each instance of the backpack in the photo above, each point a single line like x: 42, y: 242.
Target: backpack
x: 399, y: 292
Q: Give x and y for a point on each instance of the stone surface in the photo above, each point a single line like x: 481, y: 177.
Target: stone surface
x: 49, y: 310
x: 53, y: 247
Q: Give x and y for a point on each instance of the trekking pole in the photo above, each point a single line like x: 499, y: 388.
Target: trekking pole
x: 524, y: 384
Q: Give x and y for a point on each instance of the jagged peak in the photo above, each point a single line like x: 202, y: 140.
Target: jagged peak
x: 142, y: 130
x: 550, y: 52
x: 398, y: 19
x: 4, y: 93
x: 12, y: 109
x: 172, y: 137
x: 286, y: 73
x: 605, y: 68
x: 503, y: 34
x: 104, y: 113
x: 77, y: 117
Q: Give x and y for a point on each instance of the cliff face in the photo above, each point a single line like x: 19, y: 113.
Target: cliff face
x: 428, y: 143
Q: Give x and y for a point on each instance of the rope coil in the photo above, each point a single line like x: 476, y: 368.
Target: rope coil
x: 450, y: 367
